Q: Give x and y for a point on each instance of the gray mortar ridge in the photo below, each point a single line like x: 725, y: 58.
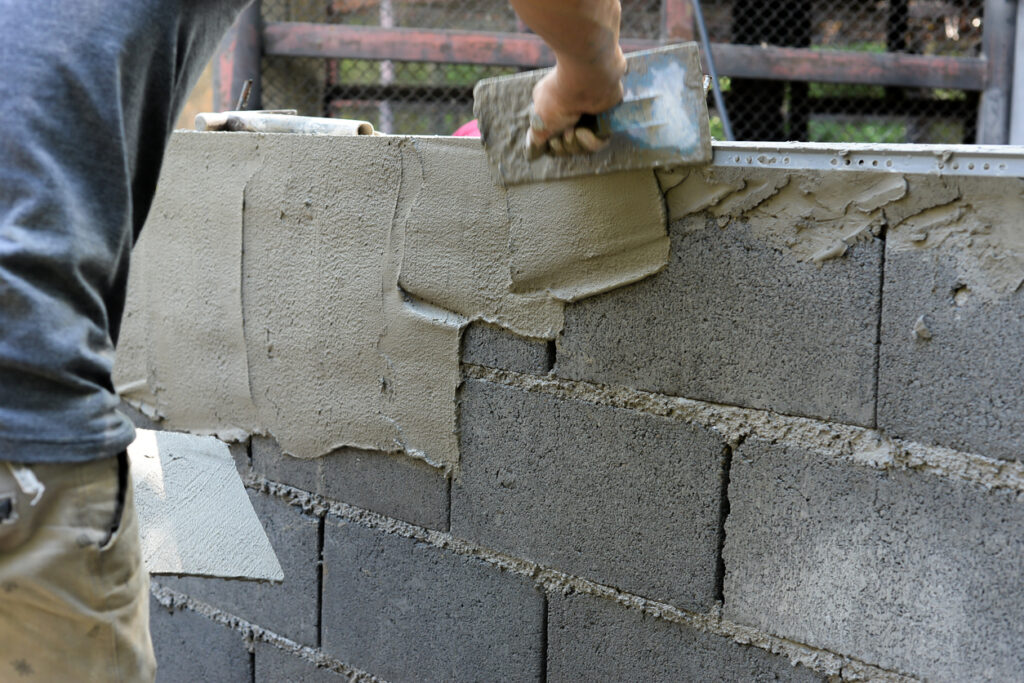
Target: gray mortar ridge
x: 858, y: 445
x: 840, y: 666
x: 173, y: 600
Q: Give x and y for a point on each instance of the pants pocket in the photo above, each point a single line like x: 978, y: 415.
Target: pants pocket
x: 123, y: 484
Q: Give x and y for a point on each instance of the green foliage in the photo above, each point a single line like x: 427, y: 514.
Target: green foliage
x: 826, y: 130
x: 717, y: 129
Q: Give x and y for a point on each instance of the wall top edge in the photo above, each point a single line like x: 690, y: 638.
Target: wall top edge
x: 999, y: 161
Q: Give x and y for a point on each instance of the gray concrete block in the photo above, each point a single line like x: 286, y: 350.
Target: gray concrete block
x: 189, y: 647
x: 288, y: 608
x: 907, y: 571
x: 392, y: 484
x: 408, y: 611
x: 957, y: 381
x: 274, y: 665
x: 484, y: 344
x: 617, y: 496
x: 736, y: 320
x: 590, y: 638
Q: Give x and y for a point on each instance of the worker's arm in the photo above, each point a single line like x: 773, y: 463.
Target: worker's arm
x: 584, y: 35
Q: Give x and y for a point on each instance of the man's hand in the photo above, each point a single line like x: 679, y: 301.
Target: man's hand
x: 587, y: 79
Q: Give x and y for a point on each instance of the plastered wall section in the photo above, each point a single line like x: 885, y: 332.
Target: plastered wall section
x: 315, y: 288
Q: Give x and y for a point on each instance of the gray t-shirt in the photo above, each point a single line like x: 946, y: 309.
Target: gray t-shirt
x: 89, y: 91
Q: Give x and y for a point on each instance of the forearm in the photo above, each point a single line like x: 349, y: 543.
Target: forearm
x: 584, y: 35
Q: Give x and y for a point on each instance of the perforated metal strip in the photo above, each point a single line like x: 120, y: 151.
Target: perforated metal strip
x: 946, y: 160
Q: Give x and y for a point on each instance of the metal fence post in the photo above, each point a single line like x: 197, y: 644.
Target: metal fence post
x: 1017, y: 100
x: 994, y: 114
x: 238, y: 59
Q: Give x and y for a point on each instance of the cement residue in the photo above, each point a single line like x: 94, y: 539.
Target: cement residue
x: 816, y: 217
x: 551, y: 580
x: 976, y: 228
x: 858, y: 445
x: 820, y: 216
x: 173, y: 600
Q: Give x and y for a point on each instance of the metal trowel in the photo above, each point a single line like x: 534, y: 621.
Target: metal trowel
x: 661, y: 121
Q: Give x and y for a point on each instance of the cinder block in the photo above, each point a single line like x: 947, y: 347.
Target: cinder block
x: 904, y: 570
x: 487, y: 345
x: 617, y: 496
x: 392, y: 484
x: 274, y: 665
x: 189, y: 647
x: 598, y: 640
x: 289, y: 608
x: 736, y: 320
x: 408, y: 611
x: 958, y: 380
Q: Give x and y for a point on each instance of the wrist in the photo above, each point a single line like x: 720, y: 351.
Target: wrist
x: 593, y: 85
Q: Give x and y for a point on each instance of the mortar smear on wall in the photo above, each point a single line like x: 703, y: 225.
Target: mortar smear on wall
x: 817, y: 217
x: 975, y: 227
x: 338, y: 294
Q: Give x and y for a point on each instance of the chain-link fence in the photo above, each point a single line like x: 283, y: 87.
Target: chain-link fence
x: 431, y: 98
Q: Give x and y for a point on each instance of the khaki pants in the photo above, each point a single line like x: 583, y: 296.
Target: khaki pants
x: 74, y: 596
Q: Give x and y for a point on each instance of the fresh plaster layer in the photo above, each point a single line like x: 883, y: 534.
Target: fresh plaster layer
x: 317, y: 228
x: 340, y: 290
x: 181, y: 354
x: 456, y: 251
x: 512, y: 257
x: 577, y: 238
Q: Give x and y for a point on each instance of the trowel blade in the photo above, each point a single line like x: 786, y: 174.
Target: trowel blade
x: 662, y: 121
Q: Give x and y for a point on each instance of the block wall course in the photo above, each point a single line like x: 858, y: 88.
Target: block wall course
x: 615, y: 496
x: 274, y: 665
x: 404, y: 610
x: 392, y: 484
x: 734, y: 319
x: 490, y: 346
x: 289, y: 608
x: 906, y: 571
x: 189, y: 647
x: 958, y: 381
x: 599, y: 640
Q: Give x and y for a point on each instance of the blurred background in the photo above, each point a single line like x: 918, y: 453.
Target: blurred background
x: 808, y: 70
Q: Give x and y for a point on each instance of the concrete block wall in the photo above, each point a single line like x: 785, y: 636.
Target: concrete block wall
x: 792, y: 454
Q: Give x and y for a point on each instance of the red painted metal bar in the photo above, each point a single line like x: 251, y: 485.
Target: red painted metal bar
x: 298, y: 39
x: 238, y: 59
x: 833, y: 66
x: 677, y: 20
